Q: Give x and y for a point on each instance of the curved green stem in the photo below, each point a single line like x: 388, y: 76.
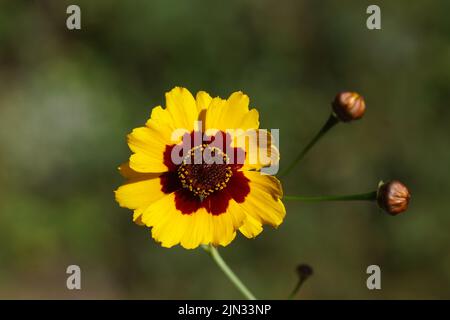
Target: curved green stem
x: 296, y: 289
x: 331, y: 122
x: 369, y: 196
x: 214, y: 253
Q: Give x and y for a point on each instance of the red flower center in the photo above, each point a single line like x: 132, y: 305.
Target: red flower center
x: 205, y: 177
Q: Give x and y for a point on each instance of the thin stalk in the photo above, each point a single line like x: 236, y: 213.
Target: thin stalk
x: 214, y: 253
x: 296, y: 289
x: 331, y: 122
x: 370, y: 196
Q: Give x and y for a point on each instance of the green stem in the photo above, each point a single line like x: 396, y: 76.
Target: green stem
x: 331, y: 122
x: 296, y: 289
x: 214, y: 253
x: 370, y: 196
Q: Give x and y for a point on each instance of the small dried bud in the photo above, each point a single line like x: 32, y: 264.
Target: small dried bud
x: 304, y: 271
x: 393, y: 197
x: 348, y: 106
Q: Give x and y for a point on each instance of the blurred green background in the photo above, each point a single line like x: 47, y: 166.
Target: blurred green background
x: 68, y: 99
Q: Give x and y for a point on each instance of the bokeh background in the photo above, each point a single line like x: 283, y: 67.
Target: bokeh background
x: 68, y: 98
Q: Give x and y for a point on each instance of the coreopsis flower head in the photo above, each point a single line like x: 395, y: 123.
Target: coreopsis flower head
x: 348, y: 106
x: 196, y: 175
x: 393, y: 197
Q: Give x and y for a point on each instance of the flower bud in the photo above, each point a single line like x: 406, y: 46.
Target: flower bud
x: 393, y: 197
x: 348, y: 106
x: 304, y: 271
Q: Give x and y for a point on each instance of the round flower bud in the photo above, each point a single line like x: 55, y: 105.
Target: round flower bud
x: 393, y: 197
x: 348, y: 106
x: 304, y: 271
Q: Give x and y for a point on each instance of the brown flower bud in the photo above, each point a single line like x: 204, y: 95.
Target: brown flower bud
x: 304, y: 271
x: 393, y: 197
x: 348, y: 106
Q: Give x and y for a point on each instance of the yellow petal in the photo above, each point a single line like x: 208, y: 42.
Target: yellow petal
x: 139, y: 192
x: 232, y: 113
x: 203, y: 100
x: 239, y: 100
x: 251, y: 227
x: 137, y: 215
x: 182, y: 107
x: 126, y: 172
x: 213, y: 116
x: 148, y: 145
x: 224, y: 232
x: 200, y: 226
x: 250, y: 120
x: 162, y: 122
x: 263, y: 202
x: 236, y: 213
x: 168, y: 224
x: 205, y: 228
x: 171, y: 227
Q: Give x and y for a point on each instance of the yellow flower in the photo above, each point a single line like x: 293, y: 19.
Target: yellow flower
x: 192, y: 203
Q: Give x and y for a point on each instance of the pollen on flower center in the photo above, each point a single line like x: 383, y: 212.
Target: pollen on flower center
x: 211, y: 172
